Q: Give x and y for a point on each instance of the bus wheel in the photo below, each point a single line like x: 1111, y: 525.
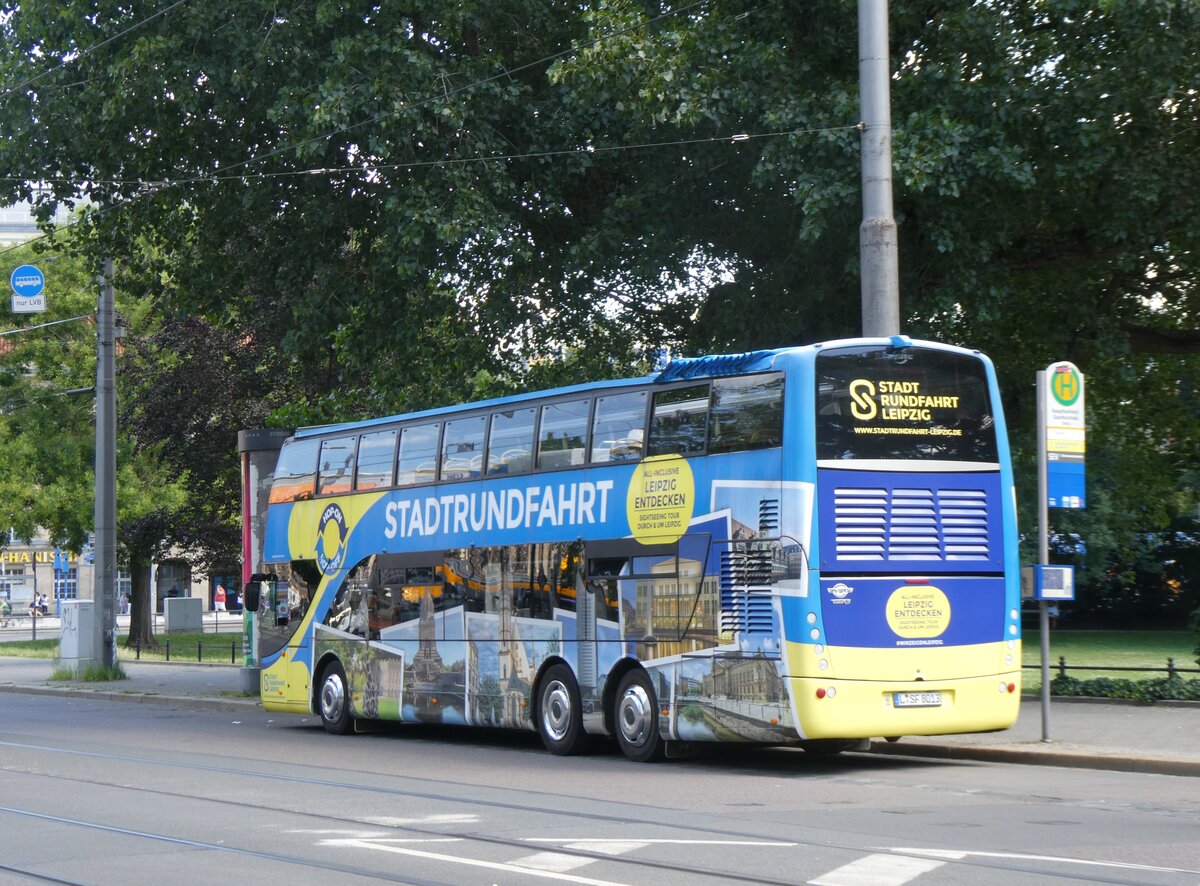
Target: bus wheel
x: 560, y: 713
x: 636, y: 719
x: 334, y: 700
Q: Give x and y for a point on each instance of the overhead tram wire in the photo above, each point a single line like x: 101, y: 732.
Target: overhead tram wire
x: 590, y: 150
x: 507, y: 72
x: 154, y: 186
x: 90, y: 49
x: 21, y: 329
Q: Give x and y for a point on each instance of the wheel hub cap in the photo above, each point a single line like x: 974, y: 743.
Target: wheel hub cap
x: 333, y: 698
x: 634, y: 715
x: 556, y: 711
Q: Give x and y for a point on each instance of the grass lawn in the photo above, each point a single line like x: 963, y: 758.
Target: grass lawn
x: 1127, y: 649
x: 208, y: 647
x: 30, y: 648
x: 215, y: 649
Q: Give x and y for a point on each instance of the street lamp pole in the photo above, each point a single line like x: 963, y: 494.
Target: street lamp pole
x: 878, y: 250
x: 105, y: 574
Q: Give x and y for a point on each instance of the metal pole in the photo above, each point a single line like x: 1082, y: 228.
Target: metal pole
x: 878, y: 250
x: 1043, y: 550
x: 105, y: 572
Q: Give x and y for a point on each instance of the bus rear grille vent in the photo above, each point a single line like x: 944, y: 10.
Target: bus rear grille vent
x: 746, y: 578
x: 911, y: 524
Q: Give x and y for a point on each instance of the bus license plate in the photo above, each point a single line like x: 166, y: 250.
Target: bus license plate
x: 917, y: 699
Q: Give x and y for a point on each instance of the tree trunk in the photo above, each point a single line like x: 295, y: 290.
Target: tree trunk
x: 141, y: 604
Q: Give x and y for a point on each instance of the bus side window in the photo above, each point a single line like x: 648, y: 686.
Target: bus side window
x: 296, y: 472
x: 679, y: 421
x: 619, y: 427
x: 510, y: 443
x: 462, y: 448
x: 337, y: 464
x: 376, y: 455
x: 746, y: 413
x: 417, y: 462
x: 562, y: 440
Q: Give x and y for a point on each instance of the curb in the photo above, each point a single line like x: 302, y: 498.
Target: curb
x: 186, y: 701
x: 1035, y: 757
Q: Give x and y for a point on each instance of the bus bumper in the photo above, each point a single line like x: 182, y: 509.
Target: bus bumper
x: 867, y: 709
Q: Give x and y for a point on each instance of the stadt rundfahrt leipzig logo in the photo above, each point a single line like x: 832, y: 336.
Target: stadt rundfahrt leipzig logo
x: 331, y: 539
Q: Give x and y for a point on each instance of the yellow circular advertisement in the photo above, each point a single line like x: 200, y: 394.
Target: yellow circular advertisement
x: 662, y: 494
x: 918, y: 611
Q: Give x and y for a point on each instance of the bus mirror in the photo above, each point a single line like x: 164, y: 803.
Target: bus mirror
x: 252, y: 595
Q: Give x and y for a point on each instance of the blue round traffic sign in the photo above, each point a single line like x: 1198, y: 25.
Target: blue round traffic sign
x: 27, y: 281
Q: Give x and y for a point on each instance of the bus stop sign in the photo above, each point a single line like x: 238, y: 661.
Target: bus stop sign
x: 27, y: 283
x: 1063, y: 420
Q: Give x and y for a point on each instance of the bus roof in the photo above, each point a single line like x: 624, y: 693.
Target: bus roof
x: 679, y: 369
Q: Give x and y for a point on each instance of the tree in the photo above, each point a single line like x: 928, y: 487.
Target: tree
x: 411, y: 206
x: 47, y: 425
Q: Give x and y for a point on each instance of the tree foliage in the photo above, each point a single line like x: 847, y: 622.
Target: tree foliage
x: 401, y: 206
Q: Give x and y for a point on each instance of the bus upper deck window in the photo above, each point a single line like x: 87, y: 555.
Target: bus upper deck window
x: 296, y: 472
x: 510, y: 444
x: 337, y: 466
x: 562, y: 440
x: 679, y: 421
x: 376, y: 455
x: 746, y: 413
x: 417, y: 461
x: 619, y: 427
x: 462, y: 448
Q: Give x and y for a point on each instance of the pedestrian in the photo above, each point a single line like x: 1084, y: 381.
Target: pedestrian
x: 5, y: 612
x: 219, y: 598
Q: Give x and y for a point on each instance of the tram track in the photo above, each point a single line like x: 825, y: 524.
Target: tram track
x: 717, y: 874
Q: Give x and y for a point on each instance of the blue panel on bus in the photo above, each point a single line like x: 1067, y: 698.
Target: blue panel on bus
x: 894, y: 612
x: 914, y: 523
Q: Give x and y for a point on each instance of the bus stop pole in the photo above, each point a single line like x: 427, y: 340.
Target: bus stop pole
x: 1043, y: 550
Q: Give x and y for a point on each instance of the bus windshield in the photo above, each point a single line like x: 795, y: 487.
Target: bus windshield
x: 877, y: 402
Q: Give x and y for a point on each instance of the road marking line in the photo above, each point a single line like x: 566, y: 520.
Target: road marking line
x: 647, y: 841
x: 448, y: 818
x: 1020, y: 856
x: 607, y: 847
x: 877, y: 870
x: 552, y: 861
x: 355, y: 841
x: 479, y: 863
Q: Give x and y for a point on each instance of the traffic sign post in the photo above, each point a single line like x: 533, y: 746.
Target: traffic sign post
x: 1061, y: 454
x: 28, y: 285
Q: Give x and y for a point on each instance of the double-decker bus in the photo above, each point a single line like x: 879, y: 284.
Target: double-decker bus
x: 804, y: 545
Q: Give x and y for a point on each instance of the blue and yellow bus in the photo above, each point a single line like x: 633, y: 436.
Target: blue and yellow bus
x: 807, y: 545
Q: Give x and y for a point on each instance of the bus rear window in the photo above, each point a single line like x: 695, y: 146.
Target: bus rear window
x: 296, y: 472
x: 911, y: 403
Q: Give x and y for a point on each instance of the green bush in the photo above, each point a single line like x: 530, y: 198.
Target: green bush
x: 1196, y: 628
x: 1163, y: 689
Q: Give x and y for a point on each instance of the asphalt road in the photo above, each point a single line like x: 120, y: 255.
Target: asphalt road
x: 99, y: 792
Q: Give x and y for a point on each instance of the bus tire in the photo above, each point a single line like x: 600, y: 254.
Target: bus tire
x: 333, y: 700
x: 635, y: 716
x: 560, y: 713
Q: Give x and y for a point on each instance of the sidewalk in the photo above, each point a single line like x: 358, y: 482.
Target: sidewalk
x: 193, y: 685
x: 1091, y: 734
